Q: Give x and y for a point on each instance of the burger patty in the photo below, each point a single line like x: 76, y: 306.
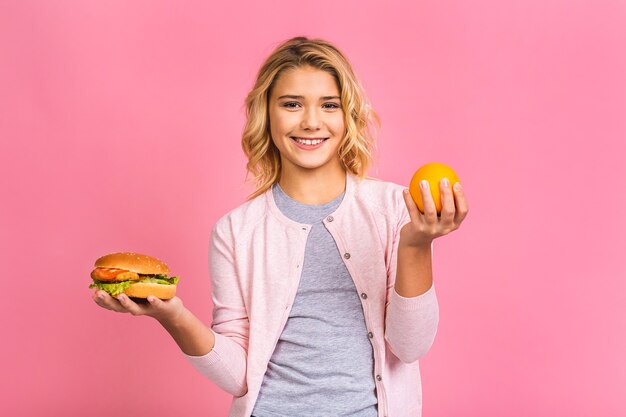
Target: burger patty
x: 114, y: 274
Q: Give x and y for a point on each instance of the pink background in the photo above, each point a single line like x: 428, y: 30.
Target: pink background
x: 120, y: 124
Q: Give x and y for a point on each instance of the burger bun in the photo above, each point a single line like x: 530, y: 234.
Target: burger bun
x: 143, y: 290
x: 134, y: 262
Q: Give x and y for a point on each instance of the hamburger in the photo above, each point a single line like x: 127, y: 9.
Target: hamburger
x: 133, y: 274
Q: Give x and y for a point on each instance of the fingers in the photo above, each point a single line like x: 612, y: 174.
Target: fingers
x: 121, y: 304
x: 414, y: 212
x: 428, y: 226
x: 430, y: 210
x: 447, y: 203
x: 462, y: 207
x: 129, y: 305
x: 104, y: 300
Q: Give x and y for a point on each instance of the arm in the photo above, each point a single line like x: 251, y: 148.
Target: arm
x: 221, y: 353
x: 414, y: 274
x: 226, y: 363
x: 191, y: 335
x: 412, y: 308
x: 413, y: 311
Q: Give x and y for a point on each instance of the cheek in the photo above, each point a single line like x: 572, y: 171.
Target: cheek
x: 281, y: 124
x: 274, y: 127
x: 275, y: 137
x: 338, y: 126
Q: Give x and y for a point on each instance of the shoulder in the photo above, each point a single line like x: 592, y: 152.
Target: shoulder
x: 382, y: 195
x: 376, y: 185
x: 236, y: 221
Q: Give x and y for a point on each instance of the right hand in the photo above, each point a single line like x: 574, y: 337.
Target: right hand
x: 162, y: 310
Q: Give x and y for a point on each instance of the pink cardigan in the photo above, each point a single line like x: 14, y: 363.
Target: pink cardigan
x: 256, y: 255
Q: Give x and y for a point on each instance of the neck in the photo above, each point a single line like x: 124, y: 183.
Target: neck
x: 314, y: 187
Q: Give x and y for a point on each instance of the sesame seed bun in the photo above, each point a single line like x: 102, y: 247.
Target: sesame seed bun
x: 135, y: 262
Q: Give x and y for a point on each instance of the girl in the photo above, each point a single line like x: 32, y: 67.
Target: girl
x: 322, y: 281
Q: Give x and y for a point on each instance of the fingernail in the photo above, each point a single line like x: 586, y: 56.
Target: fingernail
x: 101, y: 296
x: 151, y: 299
x: 424, y: 184
x: 445, y: 182
x: 457, y: 186
x: 120, y: 298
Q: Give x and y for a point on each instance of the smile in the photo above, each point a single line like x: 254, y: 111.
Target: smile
x: 309, y: 142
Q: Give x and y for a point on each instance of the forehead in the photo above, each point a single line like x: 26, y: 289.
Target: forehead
x: 305, y: 81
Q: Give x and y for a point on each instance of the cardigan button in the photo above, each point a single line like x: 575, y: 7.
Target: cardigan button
x: 364, y: 296
x: 370, y: 335
x: 346, y: 255
x: 379, y: 378
x: 330, y: 218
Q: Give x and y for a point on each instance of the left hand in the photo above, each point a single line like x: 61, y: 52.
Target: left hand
x: 424, y: 228
x: 162, y: 310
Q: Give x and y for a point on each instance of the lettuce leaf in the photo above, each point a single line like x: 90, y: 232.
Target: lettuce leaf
x: 166, y: 281
x: 116, y: 288
x: 169, y: 280
x: 113, y: 288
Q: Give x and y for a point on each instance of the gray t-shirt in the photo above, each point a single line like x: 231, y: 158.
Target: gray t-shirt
x: 323, y: 364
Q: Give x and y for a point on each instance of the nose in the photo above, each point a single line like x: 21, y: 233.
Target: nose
x: 310, y: 119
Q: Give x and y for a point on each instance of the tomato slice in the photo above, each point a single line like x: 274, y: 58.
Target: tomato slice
x: 106, y: 274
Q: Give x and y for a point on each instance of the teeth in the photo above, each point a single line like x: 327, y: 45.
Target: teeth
x: 309, y: 142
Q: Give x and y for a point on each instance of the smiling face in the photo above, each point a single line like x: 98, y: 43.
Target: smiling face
x: 306, y: 120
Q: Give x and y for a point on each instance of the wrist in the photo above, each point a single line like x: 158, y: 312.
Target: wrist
x: 174, y: 319
x: 414, y: 271
x: 421, y: 247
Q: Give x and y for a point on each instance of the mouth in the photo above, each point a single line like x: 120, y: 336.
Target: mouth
x: 308, y: 141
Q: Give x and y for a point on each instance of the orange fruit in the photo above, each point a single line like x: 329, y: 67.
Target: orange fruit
x: 432, y: 172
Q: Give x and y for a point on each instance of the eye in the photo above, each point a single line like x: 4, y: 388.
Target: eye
x: 291, y: 104
x: 332, y: 105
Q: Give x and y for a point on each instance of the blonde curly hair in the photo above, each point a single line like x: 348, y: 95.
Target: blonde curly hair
x: 361, y: 121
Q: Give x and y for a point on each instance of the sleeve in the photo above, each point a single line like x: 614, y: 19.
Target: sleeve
x: 410, y: 323
x: 226, y: 363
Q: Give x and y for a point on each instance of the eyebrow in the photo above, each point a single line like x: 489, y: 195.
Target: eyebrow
x: 302, y: 97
